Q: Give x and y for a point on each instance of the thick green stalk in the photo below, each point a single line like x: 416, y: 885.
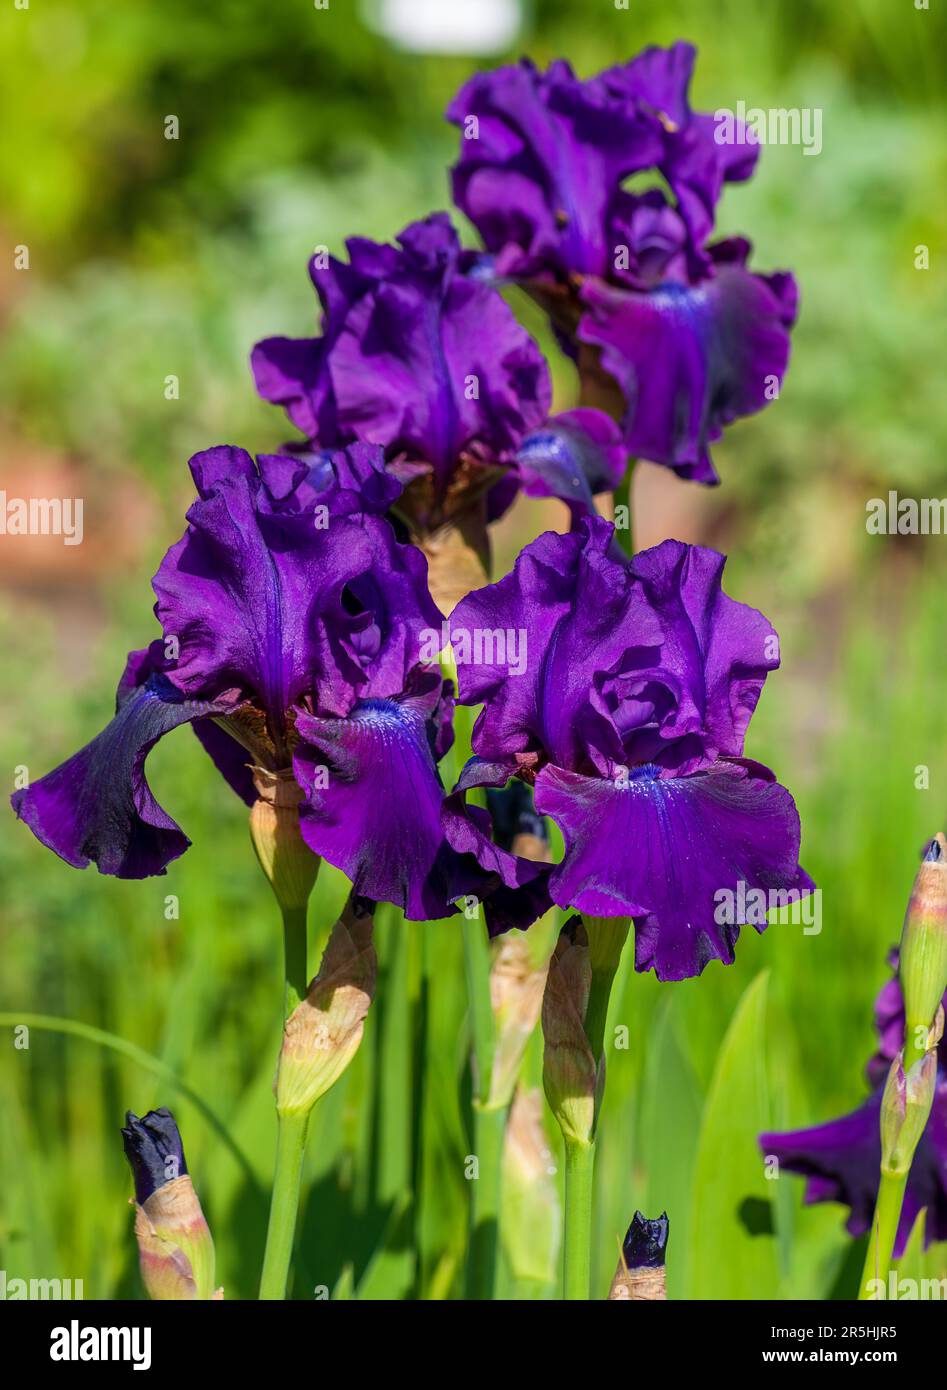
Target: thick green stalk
x: 489, y: 1125
x: 284, y: 1205
x: 483, y: 1248
x: 477, y: 969
x: 884, y: 1230
x: 623, y: 499
x: 577, y: 1244
x: 296, y: 957
x: 291, y: 1134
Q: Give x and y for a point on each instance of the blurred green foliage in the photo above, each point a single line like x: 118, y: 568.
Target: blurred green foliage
x: 152, y: 257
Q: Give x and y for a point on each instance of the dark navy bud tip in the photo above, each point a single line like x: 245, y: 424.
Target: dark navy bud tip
x: 932, y: 852
x: 154, y: 1151
x: 646, y: 1242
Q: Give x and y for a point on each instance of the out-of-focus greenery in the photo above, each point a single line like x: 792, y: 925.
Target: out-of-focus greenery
x: 152, y: 257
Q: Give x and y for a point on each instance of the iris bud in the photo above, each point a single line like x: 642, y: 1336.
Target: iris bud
x: 570, y: 1074
x: 287, y: 861
x: 640, y: 1272
x: 175, y: 1248
x: 923, y: 956
x: 905, y: 1108
x: 517, y: 981
x: 323, y: 1032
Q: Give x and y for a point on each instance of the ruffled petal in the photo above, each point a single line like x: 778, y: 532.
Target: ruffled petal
x: 289, y: 372
x: 281, y: 589
x: 433, y: 366
x: 416, y: 356
x: 567, y: 612
x: 673, y: 852
x: 715, y: 651
x: 548, y: 154
x: 695, y: 164
x: 689, y: 360
x: 97, y: 806
x: 372, y: 804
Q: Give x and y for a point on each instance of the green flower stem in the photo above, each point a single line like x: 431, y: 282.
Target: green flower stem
x: 293, y: 1128
x: 483, y: 1247
x: 580, y: 1165
x: 622, y: 498
x: 489, y: 1125
x: 884, y: 1230
x: 280, y: 1233
x: 596, y: 1013
x: 296, y: 956
x: 477, y: 969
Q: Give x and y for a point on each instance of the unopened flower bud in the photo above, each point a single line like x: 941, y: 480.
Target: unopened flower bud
x: 640, y: 1273
x: 285, y: 858
x: 323, y: 1033
x: 175, y: 1248
x: 570, y: 1076
x: 923, y: 958
x: 517, y: 981
x: 905, y: 1108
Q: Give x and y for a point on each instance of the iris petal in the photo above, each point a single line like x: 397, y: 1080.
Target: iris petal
x: 689, y: 360
x: 666, y: 850
x: 372, y: 805
x: 97, y: 806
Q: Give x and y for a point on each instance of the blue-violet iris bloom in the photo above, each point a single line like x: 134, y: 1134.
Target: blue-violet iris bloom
x: 627, y: 713
x: 430, y: 363
x: 841, y: 1158
x: 292, y: 621
x: 690, y: 336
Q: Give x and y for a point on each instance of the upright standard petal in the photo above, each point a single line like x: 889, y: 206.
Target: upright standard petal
x: 541, y: 157
x: 570, y: 611
x: 282, y: 589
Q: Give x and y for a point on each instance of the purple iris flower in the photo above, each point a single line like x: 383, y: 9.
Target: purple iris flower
x: 430, y: 363
x: 626, y: 709
x: 689, y: 335
x: 841, y: 1158
x: 292, y: 621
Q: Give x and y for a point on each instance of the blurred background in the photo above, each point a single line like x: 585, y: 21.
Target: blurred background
x: 150, y: 257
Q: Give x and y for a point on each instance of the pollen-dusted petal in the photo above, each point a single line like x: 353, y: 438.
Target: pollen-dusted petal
x: 667, y: 851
